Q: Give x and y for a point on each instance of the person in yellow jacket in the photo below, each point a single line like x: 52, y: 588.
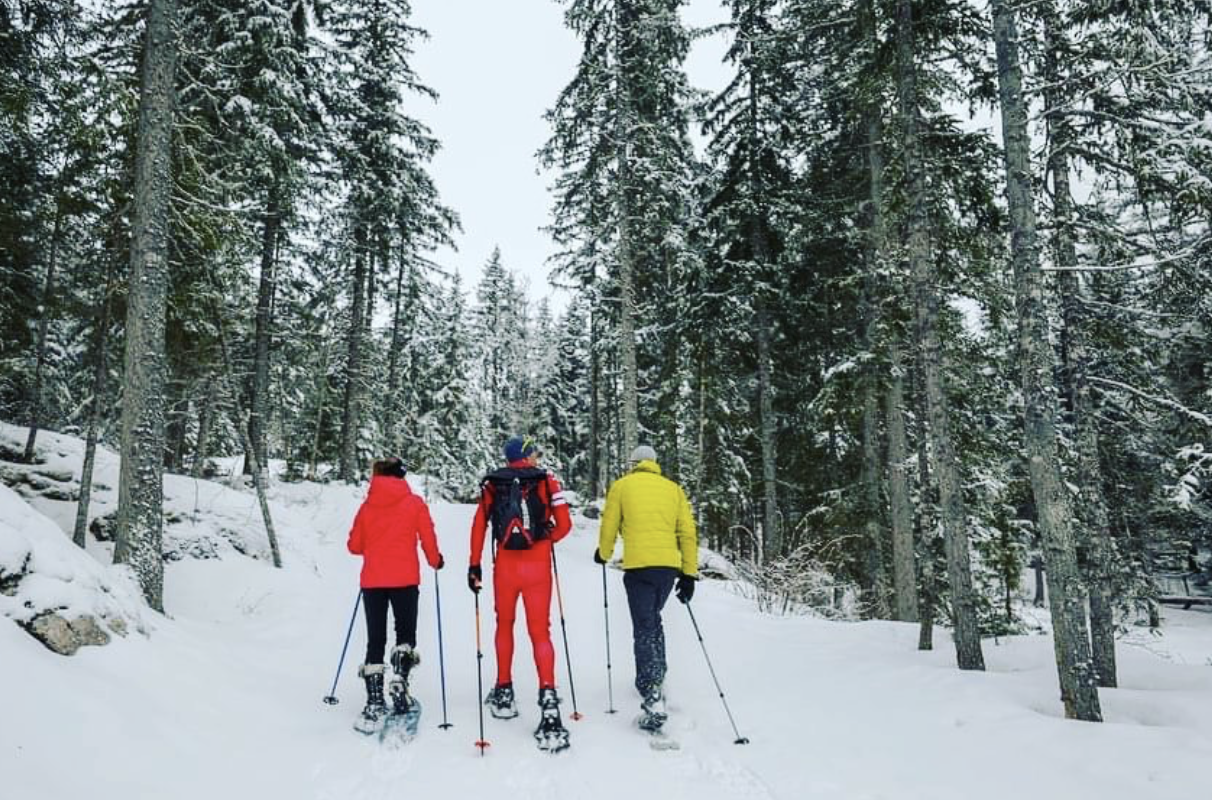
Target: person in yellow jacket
x: 660, y: 548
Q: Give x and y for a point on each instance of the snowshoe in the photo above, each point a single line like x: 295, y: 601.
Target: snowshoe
x: 401, y: 726
x: 501, y: 703
x: 551, y: 735
x: 658, y: 739
x: 370, y: 721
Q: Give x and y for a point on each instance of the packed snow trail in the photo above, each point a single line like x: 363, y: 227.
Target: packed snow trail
x: 224, y: 699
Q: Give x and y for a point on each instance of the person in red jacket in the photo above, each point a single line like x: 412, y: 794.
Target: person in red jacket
x: 385, y: 532
x: 528, y: 513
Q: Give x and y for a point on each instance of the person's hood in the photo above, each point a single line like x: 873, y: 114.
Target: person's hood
x: 647, y: 465
x: 386, y: 491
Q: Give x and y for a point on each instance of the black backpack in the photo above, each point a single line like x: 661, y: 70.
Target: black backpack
x: 519, y: 513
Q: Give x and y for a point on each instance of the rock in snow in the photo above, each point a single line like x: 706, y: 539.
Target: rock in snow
x: 57, y: 592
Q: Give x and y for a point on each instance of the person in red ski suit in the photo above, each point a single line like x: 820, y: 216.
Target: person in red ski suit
x: 386, y: 531
x: 521, y: 572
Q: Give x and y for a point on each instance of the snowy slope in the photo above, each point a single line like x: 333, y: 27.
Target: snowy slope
x: 223, y: 698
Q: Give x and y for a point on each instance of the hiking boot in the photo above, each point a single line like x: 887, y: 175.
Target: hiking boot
x: 551, y: 735
x: 501, y: 703
x: 372, y: 715
x: 403, y: 658
x: 652, y: 709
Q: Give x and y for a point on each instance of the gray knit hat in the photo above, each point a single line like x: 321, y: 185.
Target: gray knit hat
x: 643, y: 453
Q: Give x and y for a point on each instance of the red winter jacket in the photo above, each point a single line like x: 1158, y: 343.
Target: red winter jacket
x: 385, y: 533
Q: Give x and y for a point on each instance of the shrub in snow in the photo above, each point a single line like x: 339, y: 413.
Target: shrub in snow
x: 56, y: 591
x: 798, y: 583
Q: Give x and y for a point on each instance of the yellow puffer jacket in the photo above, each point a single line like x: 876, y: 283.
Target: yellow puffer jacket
x: 654, y: 518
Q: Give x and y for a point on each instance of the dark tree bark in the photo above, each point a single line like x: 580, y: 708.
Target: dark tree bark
x: 904, y: 562
x: 596, y: 482
x: 141, y: 486
x: 624, y: 46
x: 868, y: 309
x: 350, y: 421
x: 771, y: 544
x: 48, y: 294
x: 206, y: 417
x: 260, y: 471
x: 263, y: 327
x: 100, y: 368
x: 927, y: 524
x: 1079, y: 690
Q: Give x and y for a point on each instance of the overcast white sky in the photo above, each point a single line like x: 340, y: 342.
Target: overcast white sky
x: 498, y: 66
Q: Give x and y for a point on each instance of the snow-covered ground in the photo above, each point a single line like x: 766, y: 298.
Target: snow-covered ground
x: 221, y: 698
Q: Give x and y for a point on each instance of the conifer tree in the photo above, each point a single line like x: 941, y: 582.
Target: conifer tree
x: 140, y: 490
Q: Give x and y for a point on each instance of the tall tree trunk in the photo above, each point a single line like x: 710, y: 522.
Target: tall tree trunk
x: 872, y: 503
x: 771, y: 544
x: 904, y: 566
x: 596, y: 484
x: 260, y: 471
x: 48, y: 293
x: 927, y: 524
x: 626, y: 248
x: 1092, y: 505
x: 392, y: 415
x: 141, y: 486
x: 263, y: 326
x: 350, y: 421
x: 100, y: 368
x: 760, y: 249
x: 868, y: 303
x: 1078, y: 682
x: 950, y: 488
x: 321, y: 400
x: 700, y: 450
x: 206, y: 419
x: 178, y: 423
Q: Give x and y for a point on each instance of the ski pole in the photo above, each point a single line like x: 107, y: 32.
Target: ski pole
x: 481, y: 743
x: 572, y: 689
x: 437, y: 596
x: 331, y: 697
x: 739, y: 739
x: 609, y: 677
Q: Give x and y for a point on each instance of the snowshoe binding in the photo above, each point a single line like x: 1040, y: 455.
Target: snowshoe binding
x: 652, y: 710
x: 404, y: 717
x: 501, y: 703
x: 370, y: 721
x: 551, y: 735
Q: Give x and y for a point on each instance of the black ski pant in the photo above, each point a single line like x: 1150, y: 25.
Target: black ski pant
x: 403, y: 600
x: 647, y: 590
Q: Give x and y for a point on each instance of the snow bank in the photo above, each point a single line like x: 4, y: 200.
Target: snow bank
x: 55, y: 590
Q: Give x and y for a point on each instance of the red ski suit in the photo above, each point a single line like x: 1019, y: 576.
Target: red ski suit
x: 526, y: 573
x: 385, y: 534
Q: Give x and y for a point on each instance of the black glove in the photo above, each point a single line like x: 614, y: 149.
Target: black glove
x: 441, y: 561
x: 685, y: 589
x: 475, y: 578
x: 597, y: 557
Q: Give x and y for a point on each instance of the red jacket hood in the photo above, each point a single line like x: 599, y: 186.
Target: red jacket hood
x: 386, y: 491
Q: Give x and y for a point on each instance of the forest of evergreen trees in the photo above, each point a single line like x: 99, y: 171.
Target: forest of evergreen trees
x: 932, y: 304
